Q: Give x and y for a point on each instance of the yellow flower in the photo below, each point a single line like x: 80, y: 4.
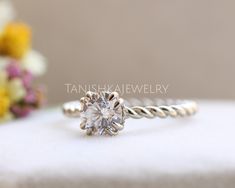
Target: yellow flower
x: 3, y: 78
x: 4, y: 103
x: 15, y: 40
x: 11, y: 91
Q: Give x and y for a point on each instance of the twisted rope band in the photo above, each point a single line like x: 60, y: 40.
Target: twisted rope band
x: 144, y: 108
x: 72, y: 109
x: 161, y: 109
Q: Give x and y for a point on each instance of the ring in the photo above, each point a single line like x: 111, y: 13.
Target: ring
x: 104, y: 113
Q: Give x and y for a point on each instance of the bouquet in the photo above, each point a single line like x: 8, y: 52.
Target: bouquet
x: 19, y: 65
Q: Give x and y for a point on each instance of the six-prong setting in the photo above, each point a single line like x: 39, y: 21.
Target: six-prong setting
x: 102, y: 113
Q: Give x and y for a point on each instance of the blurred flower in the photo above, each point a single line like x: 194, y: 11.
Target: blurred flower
x: 13, y: 70
x: 4, y: 102
x: 19, y: 64
x: 21, y: 111
x: 34, y: 62
x: 7, y: 13
x: 4, y: 98
x: 17, y: 96
x: 4, y: 61
x: 15, y: 40
x: 27, y: 79
x: 30, y: 97
x: 16, y: 89
x: 3, y: 78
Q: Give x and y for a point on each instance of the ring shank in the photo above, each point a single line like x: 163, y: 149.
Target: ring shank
x: 160, y: 108
x: 147, y: 108
x: 72, y: 109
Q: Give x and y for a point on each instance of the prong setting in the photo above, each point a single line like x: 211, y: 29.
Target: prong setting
x: 89, y: 131
x: 91, y: 95
x: 117, y: 126
x: 83, y: 125
x: 113, y: 95
x: 118, y: 103
x: 102, y: 113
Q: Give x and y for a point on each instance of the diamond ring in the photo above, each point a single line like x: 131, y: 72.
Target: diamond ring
x: 104, y: 113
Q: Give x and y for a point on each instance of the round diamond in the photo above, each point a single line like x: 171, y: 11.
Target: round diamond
x: 101, y: 112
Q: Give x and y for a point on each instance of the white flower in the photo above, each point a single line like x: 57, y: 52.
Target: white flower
x: 6, y: 13
x: 34, y: 62
x: 16, y: 89
x: 4, y: 61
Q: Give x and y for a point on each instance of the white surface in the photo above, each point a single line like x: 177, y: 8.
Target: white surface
x: 49, y: 150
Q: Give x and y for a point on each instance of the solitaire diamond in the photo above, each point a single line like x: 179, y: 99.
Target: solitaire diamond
x: 102, y: 112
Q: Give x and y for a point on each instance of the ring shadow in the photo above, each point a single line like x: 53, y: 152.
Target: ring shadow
x: 159, y: 128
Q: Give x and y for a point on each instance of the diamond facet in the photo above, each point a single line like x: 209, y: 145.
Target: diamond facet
x: 100, y: 113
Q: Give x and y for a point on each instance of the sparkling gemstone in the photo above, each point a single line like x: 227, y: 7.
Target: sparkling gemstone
x: 99, y: 112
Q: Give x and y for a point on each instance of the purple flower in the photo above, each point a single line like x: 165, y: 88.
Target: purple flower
x: 27, y: 78
x: 21, y: 111
x: 13, y: 69
x: 30, y: 97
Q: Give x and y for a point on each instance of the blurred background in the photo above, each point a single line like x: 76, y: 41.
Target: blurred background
x: 188, y: 44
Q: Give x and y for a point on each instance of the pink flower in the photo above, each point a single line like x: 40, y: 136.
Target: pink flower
x: 21, y: 111
x: 27, y: 78
x: 30, y: 97
x: 13, y: 69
